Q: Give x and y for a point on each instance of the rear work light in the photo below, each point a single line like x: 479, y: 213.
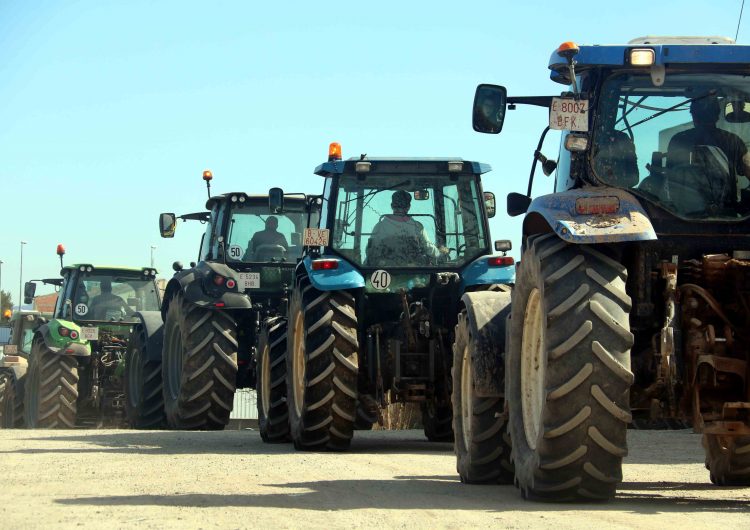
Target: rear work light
x: 325, y: 264
x: 597, y: 205
x: 642, y: 57
x: 500, y: 261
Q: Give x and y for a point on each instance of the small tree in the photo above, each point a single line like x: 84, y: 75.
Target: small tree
x: 6, y: 304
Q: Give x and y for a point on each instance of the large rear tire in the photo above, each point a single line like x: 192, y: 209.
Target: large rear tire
x: 199, y: 366
x: 437, y: 420
x: 482, y: 442
x: 51, y: 389
x: 322, y: 367
x: 144, y: 400
x: 273, y: 412
x: 568, y: 372
x: 728, y: 459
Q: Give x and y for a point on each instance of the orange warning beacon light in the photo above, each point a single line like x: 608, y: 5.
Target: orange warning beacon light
x: 207, y: 176
x: 60, y: 252
x: 567, y: 50
x: 334, y: 152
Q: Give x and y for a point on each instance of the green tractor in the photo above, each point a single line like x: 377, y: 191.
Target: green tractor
x: 376, y: 298
x: 213, y: 310
x: 76, y: 360
x: 14, y: 365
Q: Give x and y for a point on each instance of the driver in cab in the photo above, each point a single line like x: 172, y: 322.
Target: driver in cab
x: 107, y: 303
x: 270, y: 235
x: 400, y: 240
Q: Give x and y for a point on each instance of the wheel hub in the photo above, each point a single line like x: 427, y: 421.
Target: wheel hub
x: 533, y: 365
x: 298, y: 363
x: 467, y: 405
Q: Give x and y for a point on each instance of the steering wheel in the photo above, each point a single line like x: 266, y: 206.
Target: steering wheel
x: 269, y: 251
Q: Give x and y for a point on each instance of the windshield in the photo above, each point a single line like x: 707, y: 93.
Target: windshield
x: 255, y: 235
x: 682, y: 145
x: 408, y: 221
x: 113, y: 297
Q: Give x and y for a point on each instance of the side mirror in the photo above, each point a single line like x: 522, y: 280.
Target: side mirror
x: 503, y: 245
x: 167, y: 224
x: 29, y: 289
x: 276, y: 200
x: 489, y: 204
x: 518, y: 204
x: 489, y: 108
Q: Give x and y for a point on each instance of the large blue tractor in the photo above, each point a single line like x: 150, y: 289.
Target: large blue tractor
x: 376, y: 297
x: 632, y: 298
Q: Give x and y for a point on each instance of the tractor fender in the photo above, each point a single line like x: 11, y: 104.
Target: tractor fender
x: 196, y: 287
x: 153, y: 324
x: 345, y: 276
x: 486, y: 312
x: 56, y: 344
x: 478, y: 272
x: 629, y: 222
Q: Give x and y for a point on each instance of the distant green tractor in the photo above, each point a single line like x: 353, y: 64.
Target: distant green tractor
x: 14, y: 365
x: 76, y: 360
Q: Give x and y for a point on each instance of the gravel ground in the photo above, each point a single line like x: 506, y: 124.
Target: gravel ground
x: 230, y: 479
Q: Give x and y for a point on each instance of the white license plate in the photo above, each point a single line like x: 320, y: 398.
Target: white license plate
x: 90, y: 333
x: 567, y: 114
x: 250, y: 280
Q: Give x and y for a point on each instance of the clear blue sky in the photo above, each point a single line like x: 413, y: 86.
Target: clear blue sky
x: 110, y: 111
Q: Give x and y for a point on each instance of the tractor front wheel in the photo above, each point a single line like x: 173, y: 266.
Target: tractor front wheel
x: 322, y: 367
x: 568, y: 371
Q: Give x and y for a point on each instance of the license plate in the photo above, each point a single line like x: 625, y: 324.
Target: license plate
x: 315, y: 237
x: 567, y: 114
x: 250, y: 280
x: 90, y: 333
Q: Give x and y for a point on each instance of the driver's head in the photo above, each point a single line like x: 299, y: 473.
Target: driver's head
x: 400, y: 201
x: 106, y: 286
x: 705, y: 110
x: 272, y: 223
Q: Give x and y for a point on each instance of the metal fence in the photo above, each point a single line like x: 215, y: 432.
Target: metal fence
x: 245, y: 405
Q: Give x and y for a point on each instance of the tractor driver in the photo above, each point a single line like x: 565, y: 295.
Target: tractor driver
x: 399, y: 239
x: 270, y: 235
x: 107, y: 302
x: 721, y: 155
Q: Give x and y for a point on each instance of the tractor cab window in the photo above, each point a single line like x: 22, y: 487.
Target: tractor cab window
x: 113, y: 297
x: 683, y: 145
x: 255, y: 235
x: 408, y: 221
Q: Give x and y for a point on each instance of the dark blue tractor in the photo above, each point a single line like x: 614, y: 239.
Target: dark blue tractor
x: 632, y: 298
x: 376, y: 298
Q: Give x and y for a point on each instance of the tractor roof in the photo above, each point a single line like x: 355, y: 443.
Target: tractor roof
x: 106, y: 268
x: 396, y: 165
x: 667, y: 51
x: 253, y: 199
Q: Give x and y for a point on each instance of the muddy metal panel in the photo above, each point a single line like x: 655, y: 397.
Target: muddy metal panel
x: 245, y: 405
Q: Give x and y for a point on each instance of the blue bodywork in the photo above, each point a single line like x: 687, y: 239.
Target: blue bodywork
x: 343, y: 277
x: 629, y: 223
x: 478, y: 272
x: 339, y: 167
x: 617, y: 56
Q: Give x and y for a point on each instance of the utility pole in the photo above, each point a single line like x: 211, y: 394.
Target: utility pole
x: 153, y: 247
x: 20, y: 279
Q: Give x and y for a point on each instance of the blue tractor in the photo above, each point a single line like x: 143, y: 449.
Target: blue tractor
x: 632, y: 297
x: 376, y: 297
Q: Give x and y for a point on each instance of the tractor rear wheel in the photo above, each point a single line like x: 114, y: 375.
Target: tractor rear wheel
x: 322, y: 367
x: 728, y: 459
x: 568, y: 371
x: 482, y: 442
x: 51, y: 389
x: 144, y: 400
x: 273, y: 413
x: 199, y: 366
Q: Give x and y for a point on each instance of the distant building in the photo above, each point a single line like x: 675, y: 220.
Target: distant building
x: 45, y: 303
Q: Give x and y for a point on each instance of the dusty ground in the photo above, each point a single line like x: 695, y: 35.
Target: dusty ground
x: 231, y: 479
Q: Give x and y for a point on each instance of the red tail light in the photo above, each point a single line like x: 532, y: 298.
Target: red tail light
x: 219, y: 280
x: 231, y: 283
x: 64, y: 332
x: 500, y: 261
x: 325, y: 264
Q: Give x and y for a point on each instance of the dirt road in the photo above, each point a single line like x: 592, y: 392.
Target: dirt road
x: 108, y: 478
